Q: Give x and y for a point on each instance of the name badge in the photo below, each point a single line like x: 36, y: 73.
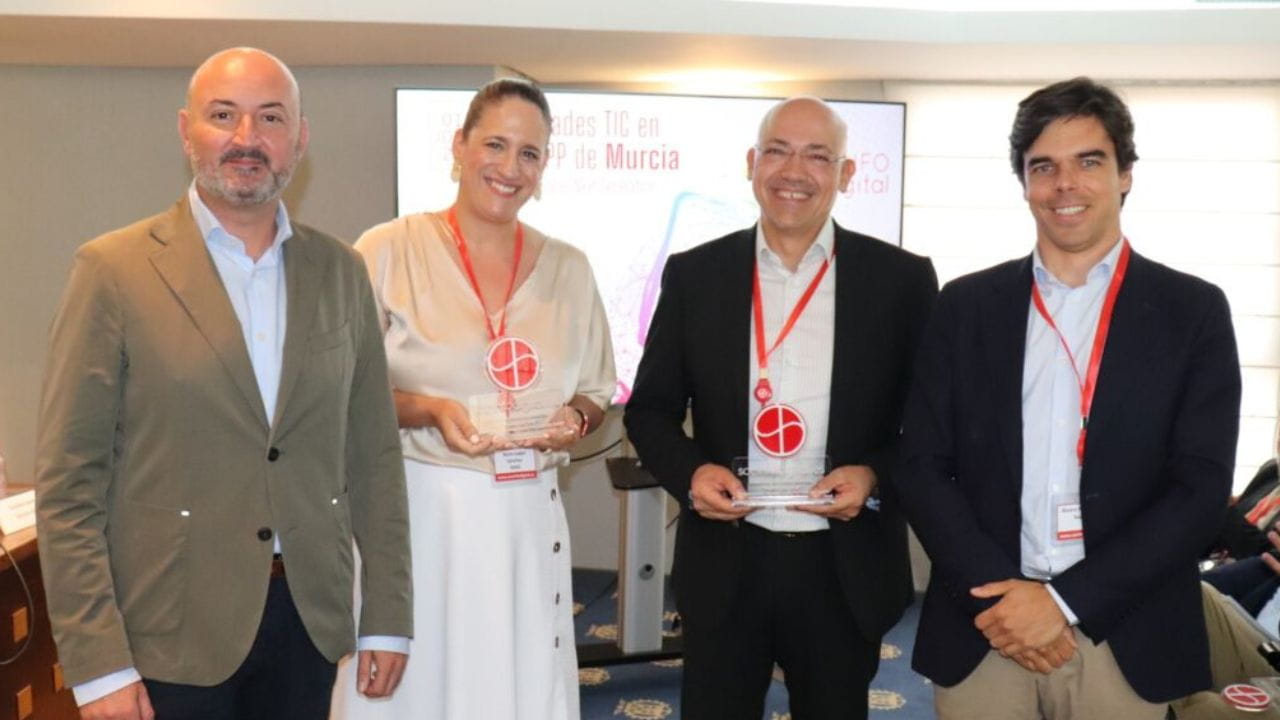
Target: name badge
x: 1070, y: 526
x: 510, y: 466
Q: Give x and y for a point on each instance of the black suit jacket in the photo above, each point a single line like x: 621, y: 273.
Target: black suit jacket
x: 1154, y: 486
x: 697, y: 354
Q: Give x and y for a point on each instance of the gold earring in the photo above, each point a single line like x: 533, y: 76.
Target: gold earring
x: 537, y: 191
x: 455, y: 174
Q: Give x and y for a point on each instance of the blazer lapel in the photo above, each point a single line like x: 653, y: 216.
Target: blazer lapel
x: 735, y: 340
x: 852, y: 286
x: 1004, y: 339
x: 1133, y: 340
x: 184, y: 264
x: 303, y: 283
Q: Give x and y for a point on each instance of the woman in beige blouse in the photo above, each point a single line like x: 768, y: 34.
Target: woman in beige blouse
x: 493, y: 618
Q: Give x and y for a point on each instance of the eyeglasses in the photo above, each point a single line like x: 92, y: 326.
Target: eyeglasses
x: 814, y: 158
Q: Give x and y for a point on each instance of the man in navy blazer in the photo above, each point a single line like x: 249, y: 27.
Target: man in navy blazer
x: 811, y: 590
x: 1068, y: 448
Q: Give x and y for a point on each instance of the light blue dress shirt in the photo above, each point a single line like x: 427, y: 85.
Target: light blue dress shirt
x: 258, y: 294
x: 1051, y: 415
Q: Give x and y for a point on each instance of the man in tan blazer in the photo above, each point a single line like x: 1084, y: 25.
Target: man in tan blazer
x: 216, y: 425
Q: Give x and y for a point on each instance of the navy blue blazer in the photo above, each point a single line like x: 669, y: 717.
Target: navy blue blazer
x: 1154, y: 486
x: 698, y: 355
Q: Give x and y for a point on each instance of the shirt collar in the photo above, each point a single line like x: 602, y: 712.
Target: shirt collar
x: 1102, y: 270
x: 821, y: 248
x: 214, y: 234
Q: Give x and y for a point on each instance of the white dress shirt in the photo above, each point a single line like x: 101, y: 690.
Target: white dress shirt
x: 1051, y: 415
x: 800, y: 368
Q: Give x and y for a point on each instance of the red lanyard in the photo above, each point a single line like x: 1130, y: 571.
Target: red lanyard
x: 1090, y: 382
x: 764, y: 391
x: 471, y: 272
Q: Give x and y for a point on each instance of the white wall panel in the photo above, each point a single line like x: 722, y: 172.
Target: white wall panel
x: 1253, y: 290
x: 1258, y: 341
x: 1242, y: 186
x: 1205, y: 122
x: 1261, y: 387
x: 1205, y: 238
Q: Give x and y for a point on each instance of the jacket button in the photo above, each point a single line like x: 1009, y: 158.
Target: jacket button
x: 556, y: 547
x: 272, y: 454
x: 264, y: 534
x: 553, y: 494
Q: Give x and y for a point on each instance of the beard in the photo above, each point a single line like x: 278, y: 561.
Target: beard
x: 243, y: 189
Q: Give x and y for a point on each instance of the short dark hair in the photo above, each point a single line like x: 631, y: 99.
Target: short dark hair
x: 495, y: 91
x: 1077, y: 97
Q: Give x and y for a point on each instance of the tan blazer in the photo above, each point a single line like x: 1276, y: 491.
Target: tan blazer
x: 158, y: 475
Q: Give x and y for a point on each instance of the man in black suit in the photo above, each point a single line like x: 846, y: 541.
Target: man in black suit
x: 1068, y: 448
x: 812, y: 588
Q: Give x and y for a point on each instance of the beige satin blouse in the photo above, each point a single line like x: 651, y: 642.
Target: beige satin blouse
x: 435, y: 336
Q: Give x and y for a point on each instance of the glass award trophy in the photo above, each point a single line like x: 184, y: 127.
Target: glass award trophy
x: 515, y: 417
x: 781, y: 482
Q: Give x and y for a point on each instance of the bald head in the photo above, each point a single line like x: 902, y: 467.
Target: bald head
x: 808, y: 105
x: 242, y: 62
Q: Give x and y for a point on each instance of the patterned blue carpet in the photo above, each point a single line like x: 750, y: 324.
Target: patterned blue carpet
x: 651, y: 690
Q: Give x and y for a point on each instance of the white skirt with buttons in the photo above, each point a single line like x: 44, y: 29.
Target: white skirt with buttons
x: 492, y: 600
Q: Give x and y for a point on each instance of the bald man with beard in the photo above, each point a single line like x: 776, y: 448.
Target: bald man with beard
x: 216, y: 426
